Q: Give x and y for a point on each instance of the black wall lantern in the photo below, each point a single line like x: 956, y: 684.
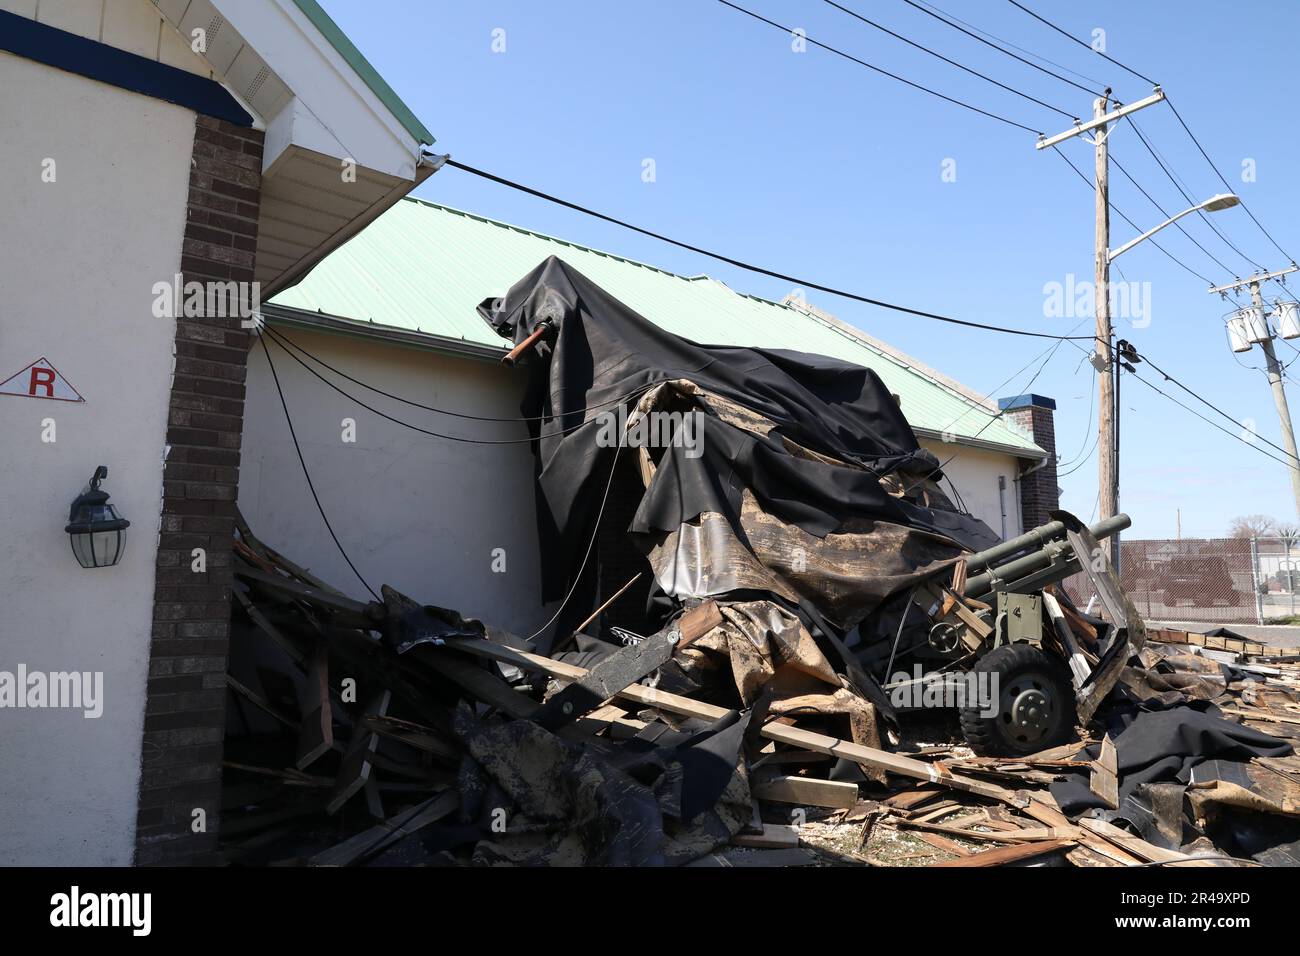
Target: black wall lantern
x: 97, y: 531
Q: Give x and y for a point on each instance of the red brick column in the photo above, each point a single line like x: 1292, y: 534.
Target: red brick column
x: 1039, y: 493
x: 184, y: 724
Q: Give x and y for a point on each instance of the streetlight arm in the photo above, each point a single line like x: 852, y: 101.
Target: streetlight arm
x: 1214, y: 204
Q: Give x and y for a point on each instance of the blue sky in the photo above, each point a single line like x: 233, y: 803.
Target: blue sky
x: 817, y: 167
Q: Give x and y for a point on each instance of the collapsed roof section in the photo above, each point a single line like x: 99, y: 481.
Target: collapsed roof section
x: 763, y: 469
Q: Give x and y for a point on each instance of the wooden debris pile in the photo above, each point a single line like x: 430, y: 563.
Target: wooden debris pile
x: 390, y: 733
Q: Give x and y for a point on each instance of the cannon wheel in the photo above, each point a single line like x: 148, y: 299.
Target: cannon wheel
x: 1035, y: 703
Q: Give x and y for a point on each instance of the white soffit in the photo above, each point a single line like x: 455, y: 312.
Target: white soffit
x: 335, y: 155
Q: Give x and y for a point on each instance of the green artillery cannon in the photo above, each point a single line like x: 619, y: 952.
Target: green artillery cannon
x: 1003, y: 633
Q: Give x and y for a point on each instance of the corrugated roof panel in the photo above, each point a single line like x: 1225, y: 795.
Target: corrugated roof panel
x: 422, y: 266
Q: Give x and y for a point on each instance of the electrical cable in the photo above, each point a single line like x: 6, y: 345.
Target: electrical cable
x: 433, y: 434
x: 1132, y: 224
x: 1010, y: 89
x: 1208, y: 404
x: 949, y: 19
x: 1178, y: 225
x: 590, y: 544
x: 758, y: 270
x: 283, y: 340
x: 1190, y: 201
x: 306, y: 473
x: 1086, y: 46
x: 1177, y: 115
x: 870, y: 66
x: 1224, y: 181
x: 1215, y: 424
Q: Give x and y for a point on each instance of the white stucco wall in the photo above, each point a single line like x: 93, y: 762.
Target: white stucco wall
x: 419, y: 513
x: 81, y: 255
x: 975, y: 473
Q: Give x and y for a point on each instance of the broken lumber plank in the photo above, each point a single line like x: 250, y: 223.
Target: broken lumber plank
x: 1009, y: 854
x: 368, y: 615
x: 943, y: 843
x: 774, y: 836
x: 1256, y: 714
x: 1104, y: 779
x: 1024, y: 835
x: 354, y: 770
x: 316, y: 733
x: 413, y: 735
x: 482, y: 685
x: 388, y: 832
x: 808, y: 792
x: 1138, y: 847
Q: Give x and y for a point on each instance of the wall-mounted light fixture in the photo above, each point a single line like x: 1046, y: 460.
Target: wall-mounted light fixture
x: 97, y: 531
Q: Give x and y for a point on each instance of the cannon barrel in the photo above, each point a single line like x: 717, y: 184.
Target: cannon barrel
x: 1052, y: 538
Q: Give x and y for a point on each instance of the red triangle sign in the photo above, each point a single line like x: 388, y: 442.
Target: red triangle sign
x: 40, y: 380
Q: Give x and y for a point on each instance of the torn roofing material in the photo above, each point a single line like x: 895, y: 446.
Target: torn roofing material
x: 815, y: 445
x: 422, y: 266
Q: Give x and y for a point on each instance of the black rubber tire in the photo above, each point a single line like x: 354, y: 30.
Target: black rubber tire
x: 1015, y: 664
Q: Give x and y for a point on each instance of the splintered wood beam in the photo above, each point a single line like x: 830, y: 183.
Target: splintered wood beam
x: 390, y: 831
x: 1009, y: 854
x: 316, y: 733
x: 808, y: 792
x: 1104, y: 779
x: 1138, y: 847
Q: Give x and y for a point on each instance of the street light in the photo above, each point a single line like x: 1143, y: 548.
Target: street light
x: 1213, y: 204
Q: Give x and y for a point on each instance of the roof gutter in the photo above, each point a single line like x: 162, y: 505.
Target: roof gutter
x: 1033, y: 453
x: 288, y: 317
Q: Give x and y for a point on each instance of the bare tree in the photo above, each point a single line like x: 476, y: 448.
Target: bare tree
x: 1288, y: 532
x: 1251, y: 526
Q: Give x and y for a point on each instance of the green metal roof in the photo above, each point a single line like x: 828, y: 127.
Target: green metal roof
x: 425, y: 267
x: 347, y: 49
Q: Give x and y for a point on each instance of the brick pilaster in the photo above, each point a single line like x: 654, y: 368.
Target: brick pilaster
x: 1039, y: 493
x: 184, y: 723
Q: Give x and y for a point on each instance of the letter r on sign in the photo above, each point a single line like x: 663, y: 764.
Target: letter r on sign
x: 42, y: 377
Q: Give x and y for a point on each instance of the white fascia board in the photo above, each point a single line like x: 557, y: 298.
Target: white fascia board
x: 328, y: 94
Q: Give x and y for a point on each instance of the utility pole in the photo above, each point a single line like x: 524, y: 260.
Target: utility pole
x: 1108, y: 493
x: 1273, y: 369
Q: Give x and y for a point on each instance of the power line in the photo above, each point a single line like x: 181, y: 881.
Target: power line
x: 1177, y: 115
x: 282, y: 340
x: 1080, y: 462
x: 883, y: 72
x: 982, y: 76
x: 307, y: 474
x: 949, y: 19
x: 1208, y: 404
x: 1078, y: 172
x: 1190, y: 201
x: 759, y: 270
x: 1224, y: 181
x: 1215, y: 424
x: 1001, y: 413
x: 426, y: 431
x: 1086, y: 46
x: 1118, y: 165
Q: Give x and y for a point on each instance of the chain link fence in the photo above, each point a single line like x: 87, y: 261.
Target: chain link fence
x: 1207, y: 580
